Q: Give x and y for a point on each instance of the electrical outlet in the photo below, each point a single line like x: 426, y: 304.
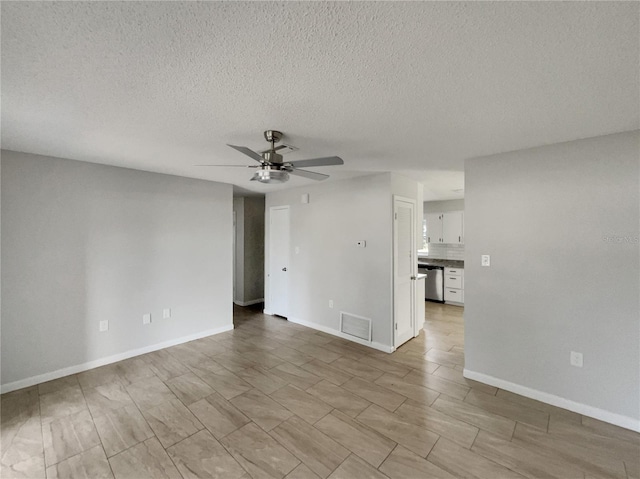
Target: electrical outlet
x: 146, y: 318
x: 104, y: 326
x: 576, y: 359
x: 331, y: 303
x: 166, y: 313
x: 486, y: 260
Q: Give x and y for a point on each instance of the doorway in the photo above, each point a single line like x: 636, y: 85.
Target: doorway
x: 234, y: 273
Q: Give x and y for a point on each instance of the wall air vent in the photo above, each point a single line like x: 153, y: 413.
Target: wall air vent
x: 356, y: 326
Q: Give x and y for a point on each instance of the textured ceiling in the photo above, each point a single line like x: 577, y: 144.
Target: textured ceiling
x: 410, y: 87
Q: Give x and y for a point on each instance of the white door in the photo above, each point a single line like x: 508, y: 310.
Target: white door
x: 279, y: 260
x: 404, y: 269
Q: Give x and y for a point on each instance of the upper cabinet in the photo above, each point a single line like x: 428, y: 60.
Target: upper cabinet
x: 434, y: 227
x: 452, y: 227
x: 445, y: 228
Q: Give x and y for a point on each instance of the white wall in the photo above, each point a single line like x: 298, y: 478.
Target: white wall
x: 557, y: 282
x: 444, y: 206
x: 329, y: 264
x: 84, y: 242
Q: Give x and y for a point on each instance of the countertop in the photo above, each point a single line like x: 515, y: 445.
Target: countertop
x: 447, y: 263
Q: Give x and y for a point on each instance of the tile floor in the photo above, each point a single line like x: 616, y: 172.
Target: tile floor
x: 275, y: 399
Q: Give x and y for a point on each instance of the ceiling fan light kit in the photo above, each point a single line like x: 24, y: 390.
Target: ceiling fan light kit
x: 268, y: 175
x: 272, y: 169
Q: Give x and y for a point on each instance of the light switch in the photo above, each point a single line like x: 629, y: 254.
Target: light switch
x: 486, y: 260
x: 104, y: 326
x: 166, y: 313
x: 362, y: 244
x: 305, y: 198
x: 146, y: 318
x: 297, y: 249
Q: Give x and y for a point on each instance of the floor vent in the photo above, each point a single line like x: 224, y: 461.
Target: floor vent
x: 355, y: 326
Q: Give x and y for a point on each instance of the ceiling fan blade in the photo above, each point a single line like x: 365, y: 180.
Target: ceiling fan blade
x: 326, y: 161
x: 250, y: 153
x: 234, y: 166
x: 312, y: 175
x: 277, y: 148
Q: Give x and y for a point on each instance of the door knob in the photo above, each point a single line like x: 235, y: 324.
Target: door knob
x: 284, y: 269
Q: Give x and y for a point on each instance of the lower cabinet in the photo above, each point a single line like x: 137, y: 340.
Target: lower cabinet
x: 454, y: 285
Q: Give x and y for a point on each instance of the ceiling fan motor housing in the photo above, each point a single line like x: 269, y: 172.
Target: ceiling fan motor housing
x: 272, y: 157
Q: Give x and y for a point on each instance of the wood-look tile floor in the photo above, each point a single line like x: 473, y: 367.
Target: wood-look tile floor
x: 275, y: 399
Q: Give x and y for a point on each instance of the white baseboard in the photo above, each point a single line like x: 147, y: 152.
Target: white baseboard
x: 584, y: 409
x: 335, y: 332
x: 266, y: 311
x: 23, y: 383
x: 249, y: 303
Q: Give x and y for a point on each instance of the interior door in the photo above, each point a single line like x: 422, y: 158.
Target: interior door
x: 279, y: 260
x: 404, y: 269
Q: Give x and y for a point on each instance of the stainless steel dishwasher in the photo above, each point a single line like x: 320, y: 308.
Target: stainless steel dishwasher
x: 434, y: 282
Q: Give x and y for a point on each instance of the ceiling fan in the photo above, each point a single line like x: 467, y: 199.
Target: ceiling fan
x: 271, y: 168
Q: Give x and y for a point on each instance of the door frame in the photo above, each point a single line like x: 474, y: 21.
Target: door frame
x: 267, y: 279
x: 396, y: 198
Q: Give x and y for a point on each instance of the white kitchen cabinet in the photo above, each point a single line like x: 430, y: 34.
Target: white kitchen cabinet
x: 454, y: 285
x: 455, y: 271
x: 445, y: 228
x: 452, y: 295
x: 434, y: 228
x: 452, y: 281
x: 452, y: 227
